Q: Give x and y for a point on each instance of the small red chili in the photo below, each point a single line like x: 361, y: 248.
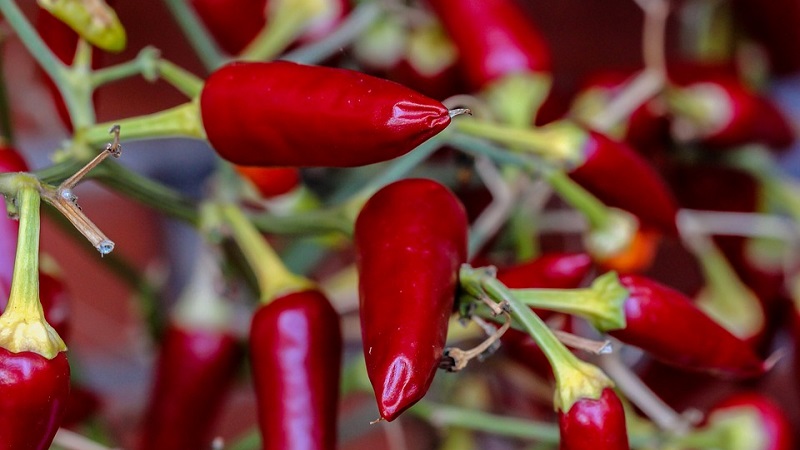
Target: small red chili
x: 195, y: 368
x: 721, y: 112
x: 622, y: 178
x: 295, y: 351
x: 594, y: 424
x: 494, y: 39
x: 771, y: 423
x: 411, y: 239
x: 271, y: 181
x: 668, y: 325
x: 286, y: 114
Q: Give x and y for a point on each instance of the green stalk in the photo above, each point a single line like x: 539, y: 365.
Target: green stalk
x: 23, y: 324
x: 575, y: 379
x: 146, y: 191
x: 197, y: 34
x: 183, y: 80
x: 273, y: 278
x: 181, y: 121
x: 144, y: 64
x: 602, y: 303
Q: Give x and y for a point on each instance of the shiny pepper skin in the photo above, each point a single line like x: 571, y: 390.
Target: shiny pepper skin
x: 621, y: 178
x: 772, y: 420
x: 195, y: 369
x: 271, y: 181
x: 594, y: 424
x: 669, y: 326
x: 411, y: 239
x: 494, y: 39
x: 33, y: 396
x: 286, y: 114
x: 296, y: 352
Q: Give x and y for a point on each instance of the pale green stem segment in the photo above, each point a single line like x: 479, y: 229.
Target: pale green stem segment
x: 181, y: 121
x: 197, y: 34
x: 602, y: 303
x: 273, y: 278
x: 575, y: 379
x: 22, y: 324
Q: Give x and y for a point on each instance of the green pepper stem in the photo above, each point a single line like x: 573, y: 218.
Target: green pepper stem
x: 183, y: 80
x: 24, y: 297
x: 146, y: 191
x: 575, y: 379
x: 273, y: 278
x: 144, y: 64
x: 595, y: 211
x: 197, y: 34
x: 181, y: 121
x: 517, y: 97
x: 602, y: 303
x: 444, y: 415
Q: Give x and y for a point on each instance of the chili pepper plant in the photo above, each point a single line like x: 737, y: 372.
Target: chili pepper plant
x: 285, y: 259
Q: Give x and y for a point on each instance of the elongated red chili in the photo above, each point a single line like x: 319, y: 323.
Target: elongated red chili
x: 195, y: 368
x: 721, y: 112
x: 295, y: 350
x: 594, y: 424
x: 286, y: 114
x: 620, y: 177
x: 34, y: 372
x: 668, y: 325
x: 494, y: 39
x: 411, y: 239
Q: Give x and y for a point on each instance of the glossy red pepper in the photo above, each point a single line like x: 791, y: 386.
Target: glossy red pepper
x: 772, y: 430
x: 286, y: 114
x: 494, y: 38
x: 411, y: 239
x: 669, y: 326
x: 271, y: 181
x: 195, y: 369
x: 621, y: 178
x: 594, y: 424
x: 295, y: 351
x: 721, y: 112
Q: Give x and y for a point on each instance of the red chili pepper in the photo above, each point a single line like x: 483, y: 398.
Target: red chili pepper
x: 772, y: 426
x: 34, y: 372
x: 411, y: 239
x: 286, y: 114
x: 195, y: 368
x: 668, y: 325
x: 82, y: 404
x: 271, y: 181
x: 295, y: 350
x: 621, y: 178
x: 494, y: 39
x: 721, y: 112
x: 594, y: 424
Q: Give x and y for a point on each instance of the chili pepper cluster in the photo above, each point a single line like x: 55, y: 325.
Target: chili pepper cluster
x: 417, y: 214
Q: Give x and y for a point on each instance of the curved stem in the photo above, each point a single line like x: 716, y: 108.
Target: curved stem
x: 144, y: 64
x: 197, y: 34
x: 183, y: 80
x: 273, y: 278
x: 595, y: 211
x: 24, y: 297
x: 286, y: 23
